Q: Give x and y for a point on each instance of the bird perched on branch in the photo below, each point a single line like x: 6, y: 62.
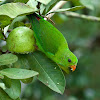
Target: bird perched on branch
x: 51, y: 42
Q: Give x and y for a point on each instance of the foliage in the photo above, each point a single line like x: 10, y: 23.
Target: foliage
x: 83, y: 38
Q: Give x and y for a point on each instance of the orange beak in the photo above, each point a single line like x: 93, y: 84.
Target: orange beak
x: 73, y: 67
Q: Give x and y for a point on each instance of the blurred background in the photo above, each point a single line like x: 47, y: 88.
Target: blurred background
x: 83, y: 37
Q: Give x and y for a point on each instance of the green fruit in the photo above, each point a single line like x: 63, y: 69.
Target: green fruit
x: 21, y: 40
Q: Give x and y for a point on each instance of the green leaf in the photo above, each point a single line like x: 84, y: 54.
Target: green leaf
x: 3, y: 95
x: 7, y: 81
x: 1, y: 35
x: 88, y: 4
x: 5, y: 20
x: 42, y: 8
x: 76, y: 2
x: 18, y: 99
x: 15, y: 90
x: 15, y: 9
x: 17, y: 24
x: 44, y: 1
x: 1, y: 76
x: 17, y: 19
x: 33, y: 4
x: 50, y: 4
x: 28, y: 25
x: 27, y: 80
x: 28, y: 61
x: 22, y: 1
x: 68, y: 9
x: 45, y: 8
x: 7, y: 59
x: 16, y: 73
x: 49, y: 73
x: 2, y: 85
x: 22, y: 62
x: 9, y: 11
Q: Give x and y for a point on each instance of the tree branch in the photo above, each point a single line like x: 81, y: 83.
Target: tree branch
x: 82, y: 16
x: 71, y: 14
x: 56, y: 7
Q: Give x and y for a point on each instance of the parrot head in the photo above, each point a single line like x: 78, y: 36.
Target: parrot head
x: 69, y: 61
x: 72, y: 61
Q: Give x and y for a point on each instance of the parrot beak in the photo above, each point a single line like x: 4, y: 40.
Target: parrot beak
x: 73, y: 67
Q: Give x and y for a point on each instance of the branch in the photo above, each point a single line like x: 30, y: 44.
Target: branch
x: 56, y: 7
x: 71, y: 14
x: 82, y: 16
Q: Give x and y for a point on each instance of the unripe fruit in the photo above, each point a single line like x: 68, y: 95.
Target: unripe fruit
x: 21, y: 40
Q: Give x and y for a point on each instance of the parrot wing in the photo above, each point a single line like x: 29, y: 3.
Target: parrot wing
x: 48, y: 38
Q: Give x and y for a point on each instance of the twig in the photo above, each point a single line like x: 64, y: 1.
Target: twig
x: 71, y: 14
x: 49, y: 19
x: 56, y: 7
x: 82, y: 16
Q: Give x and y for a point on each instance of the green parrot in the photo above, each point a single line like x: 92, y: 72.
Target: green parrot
x: 51, y: 42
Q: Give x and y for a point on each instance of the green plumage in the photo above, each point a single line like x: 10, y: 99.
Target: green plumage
x: 51, y: 41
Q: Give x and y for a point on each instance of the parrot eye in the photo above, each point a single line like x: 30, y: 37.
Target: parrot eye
x: 69, y: 60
